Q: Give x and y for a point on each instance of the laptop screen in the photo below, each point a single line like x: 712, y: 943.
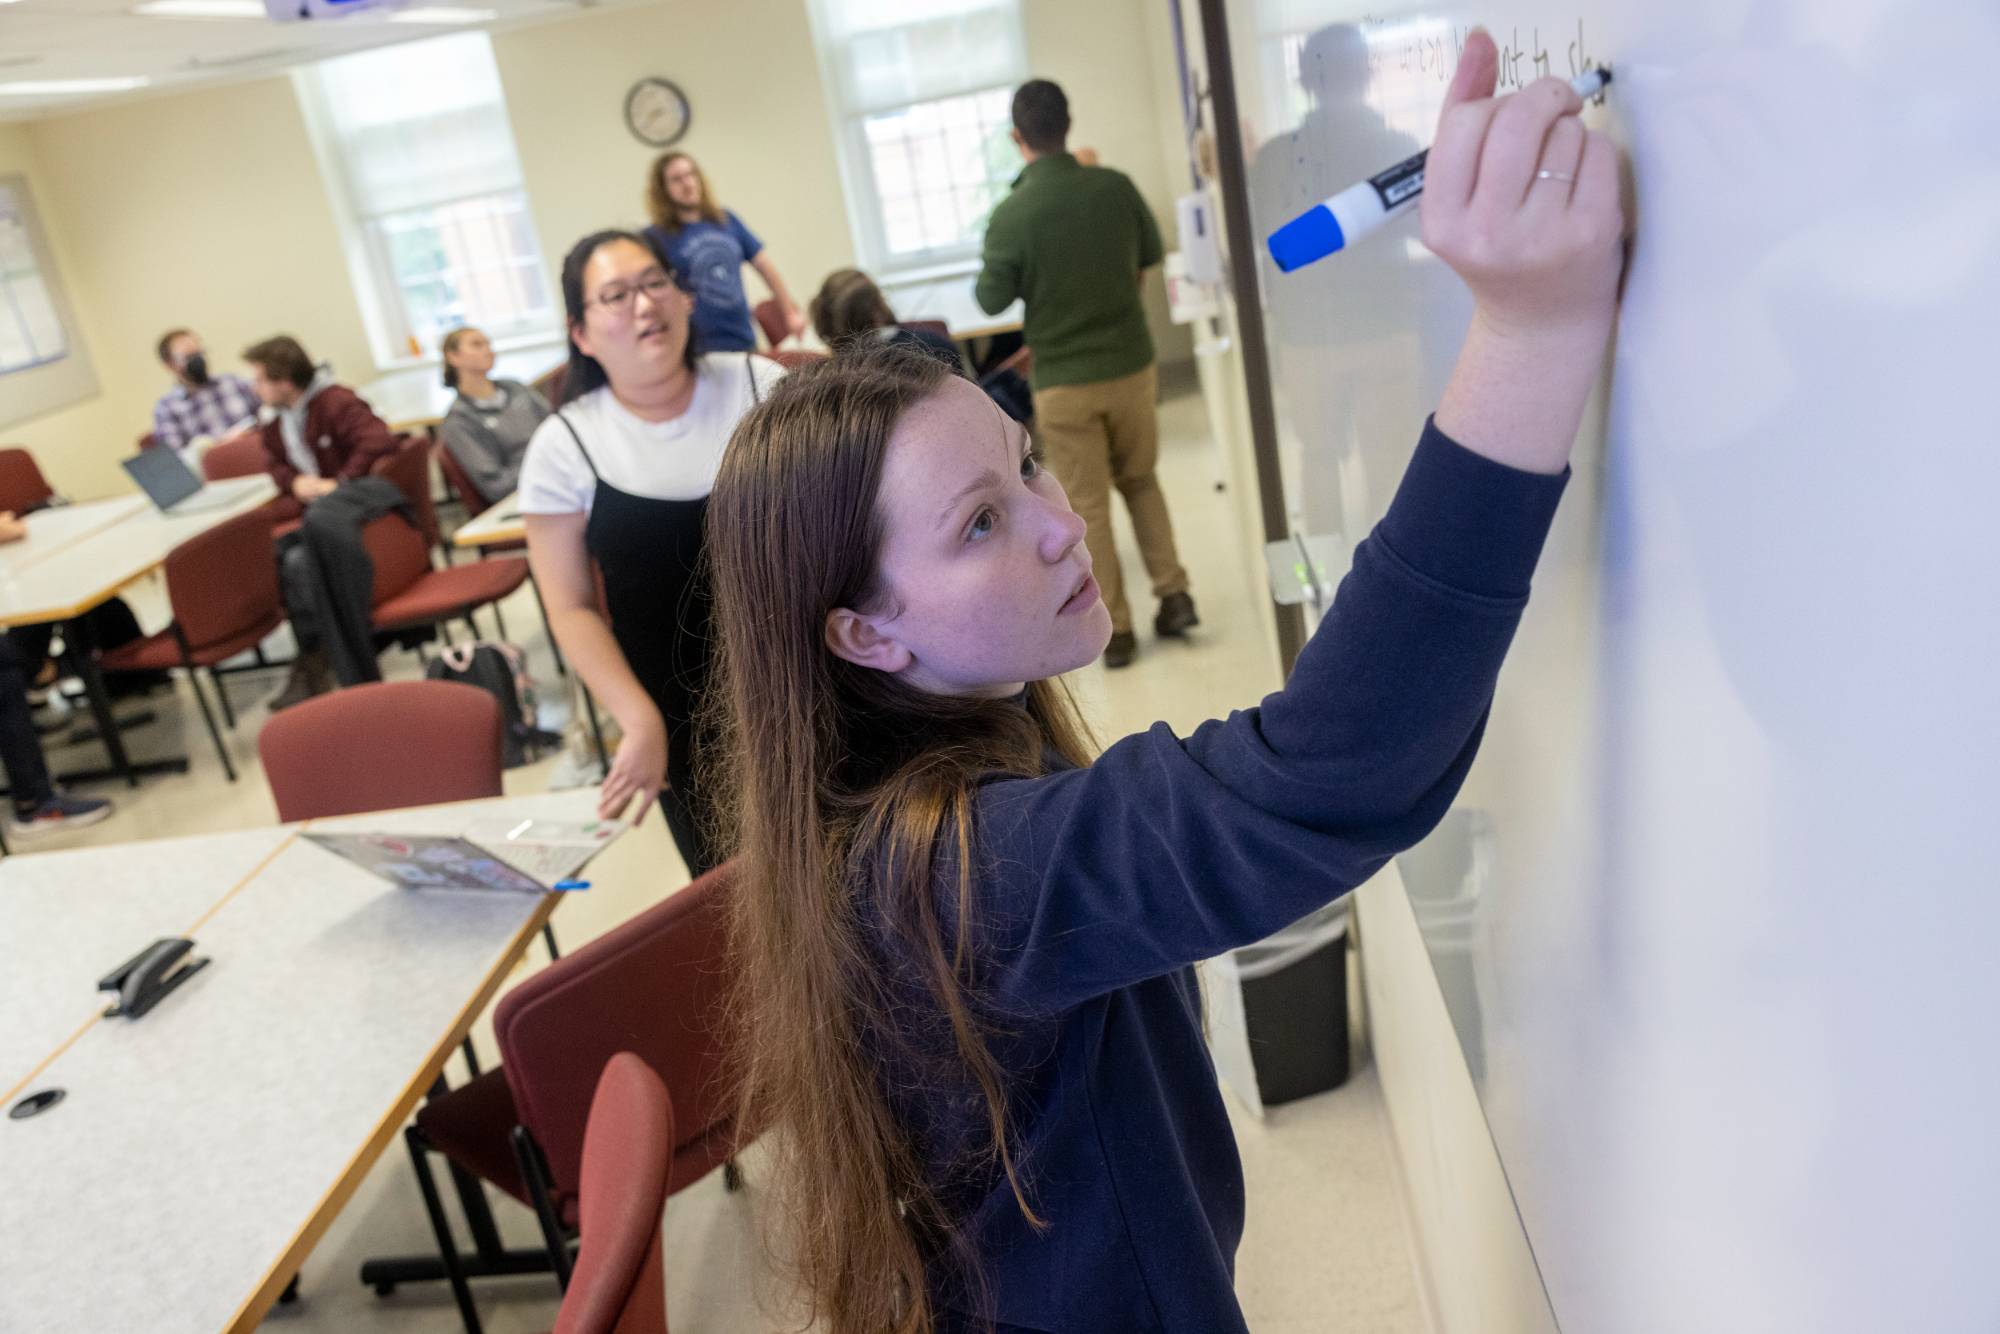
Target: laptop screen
x: 163, y: 476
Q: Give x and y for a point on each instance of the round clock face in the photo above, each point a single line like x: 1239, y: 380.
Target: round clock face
x: 656, y: 111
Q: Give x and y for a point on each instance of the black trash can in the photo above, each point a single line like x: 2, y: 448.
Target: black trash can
x: 1295, y: 1008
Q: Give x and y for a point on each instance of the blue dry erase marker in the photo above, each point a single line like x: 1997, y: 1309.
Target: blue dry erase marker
x: 562, y: 885
x: 1339, y: 222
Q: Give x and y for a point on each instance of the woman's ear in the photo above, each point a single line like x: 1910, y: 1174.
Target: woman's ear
x: 579, y: 339
x: 858, y: 639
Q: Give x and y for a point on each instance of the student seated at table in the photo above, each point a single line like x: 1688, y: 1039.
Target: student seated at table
x: 850, y: 313
x: 320, y: 434
x: 36, y: 807
x: 201, y: 407
x: 491, y: 421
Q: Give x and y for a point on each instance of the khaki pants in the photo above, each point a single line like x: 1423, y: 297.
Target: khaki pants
x: 1105, y: 434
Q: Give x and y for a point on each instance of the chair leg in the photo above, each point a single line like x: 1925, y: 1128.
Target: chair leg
x: 473, y: 626
x: 471, y: 1055
x: 194, y: 684
x: 499, y: 621
x: 732, y: 1176
x: 596, y: 729
x: 549, y: 938
x: 444, y: 630
x: 222, y: 695
x: 535, y: 1173
x: 447, y: 1248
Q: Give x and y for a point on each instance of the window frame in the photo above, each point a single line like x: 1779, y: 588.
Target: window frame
x: 42, y: 387
x: 386, y: 311
x: 862, y: 192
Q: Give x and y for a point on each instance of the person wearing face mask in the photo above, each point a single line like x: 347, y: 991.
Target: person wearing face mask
x: 201, y: 406
x: 619, y: 476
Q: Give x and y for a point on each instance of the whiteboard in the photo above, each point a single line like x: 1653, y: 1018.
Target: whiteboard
x: 1718, y: 914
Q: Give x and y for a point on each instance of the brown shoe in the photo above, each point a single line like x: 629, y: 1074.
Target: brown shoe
x: 311, y: 675
x: 1124, y: 647
x: 1177, y: 616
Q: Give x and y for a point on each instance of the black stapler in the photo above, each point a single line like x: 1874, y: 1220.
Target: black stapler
x: 144, y: 980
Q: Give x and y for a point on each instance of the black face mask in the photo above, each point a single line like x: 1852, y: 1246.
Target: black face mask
x: 195, y: 368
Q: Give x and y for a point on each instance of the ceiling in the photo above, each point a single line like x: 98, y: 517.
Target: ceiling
x: 99, y: 39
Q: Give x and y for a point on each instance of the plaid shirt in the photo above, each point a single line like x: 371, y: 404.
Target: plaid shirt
x: 223, y: 402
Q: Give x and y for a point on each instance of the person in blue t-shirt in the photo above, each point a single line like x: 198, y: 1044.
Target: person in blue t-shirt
x: 709, y: 245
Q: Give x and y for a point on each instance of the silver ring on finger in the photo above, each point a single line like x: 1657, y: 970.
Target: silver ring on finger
x: 1546, y: 175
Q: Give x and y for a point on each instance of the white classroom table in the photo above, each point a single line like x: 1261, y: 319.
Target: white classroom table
x: 415, y: 398
x: 201, y: 1150
x: 949, y: 298
x: 76, y: 558
x: 499, y: 523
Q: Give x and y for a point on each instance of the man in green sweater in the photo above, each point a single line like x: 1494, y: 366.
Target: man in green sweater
x: 1073, y: 242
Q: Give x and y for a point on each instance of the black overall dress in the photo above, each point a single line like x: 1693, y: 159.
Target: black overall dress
x: 657, y: 594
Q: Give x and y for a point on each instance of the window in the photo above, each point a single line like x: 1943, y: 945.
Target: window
x: 31, y: 333
x: 43, y: 365
x: 921, y: 93
x: 416, y: 145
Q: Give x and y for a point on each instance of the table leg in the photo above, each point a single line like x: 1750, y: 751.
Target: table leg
x: 83, y: 652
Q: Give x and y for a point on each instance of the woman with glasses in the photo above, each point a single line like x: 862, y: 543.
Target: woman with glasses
x: 619, y: 475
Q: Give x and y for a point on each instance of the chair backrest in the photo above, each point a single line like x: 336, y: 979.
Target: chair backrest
x: 770, y: 314
x: 791, y: 358
x: 1022, y: 363
x: 22, y: 486
x: 550, y: 383
x: 399, y: 554
x: 459, y: 482
x: 618, y: 1284
x: 408, y: 465
x: 928, y: 326
x: 148, y: 441
x: 240, y: 456
x: 383, y: 746
x: 653, y: 986
x: 225, y: 581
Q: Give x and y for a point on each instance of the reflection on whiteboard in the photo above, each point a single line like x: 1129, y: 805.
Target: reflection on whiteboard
x: 31, y: 332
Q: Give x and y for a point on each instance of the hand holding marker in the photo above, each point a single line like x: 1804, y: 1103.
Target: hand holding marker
x: 1339, y: 222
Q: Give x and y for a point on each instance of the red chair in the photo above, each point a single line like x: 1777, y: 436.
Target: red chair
x: 459, y: 482
x: 410, y: 594
x: 791, y: 358
x: 148, y: 441
x: 550, y: 384
x: 770, y: 314
x: 1021, y: 363
x: 22, y: 486
x: 238, y: 456
x: 619, y: 1285
x: 223, y: 588
x: 382, y: 746
x: 243, y: 456
x: 409, y: 467
x: 655, y: 987
x: 928, y: 326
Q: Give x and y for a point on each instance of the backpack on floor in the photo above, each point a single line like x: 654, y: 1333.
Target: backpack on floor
x: 499, y: 670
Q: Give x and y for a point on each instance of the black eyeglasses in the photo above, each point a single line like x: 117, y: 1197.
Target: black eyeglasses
x: 617, y: 297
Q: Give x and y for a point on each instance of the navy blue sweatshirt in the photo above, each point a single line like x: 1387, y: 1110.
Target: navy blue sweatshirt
x: 1096, y: 890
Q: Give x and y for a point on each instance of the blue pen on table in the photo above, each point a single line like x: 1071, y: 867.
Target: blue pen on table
x: 562, y: 885
x: 1338, y: 222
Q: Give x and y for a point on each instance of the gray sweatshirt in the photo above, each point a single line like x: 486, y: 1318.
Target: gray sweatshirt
x: 489, y: 439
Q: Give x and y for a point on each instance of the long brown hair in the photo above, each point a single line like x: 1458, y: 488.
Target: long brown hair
x: 661, y: 208
x: 841, y: 785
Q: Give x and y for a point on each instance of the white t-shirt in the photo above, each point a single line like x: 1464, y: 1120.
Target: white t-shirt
x: 670, y: 460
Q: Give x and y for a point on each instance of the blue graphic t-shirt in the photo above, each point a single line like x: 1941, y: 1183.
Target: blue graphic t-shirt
x: 710, y: 258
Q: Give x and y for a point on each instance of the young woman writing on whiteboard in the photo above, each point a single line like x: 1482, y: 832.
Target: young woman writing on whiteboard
x: 966, y: 1003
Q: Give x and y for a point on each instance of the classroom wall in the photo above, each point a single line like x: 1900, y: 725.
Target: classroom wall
x: 208, y: 208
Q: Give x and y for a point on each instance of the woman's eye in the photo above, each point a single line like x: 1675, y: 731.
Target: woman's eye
x: 982, y: 524
x: 1031, y: 465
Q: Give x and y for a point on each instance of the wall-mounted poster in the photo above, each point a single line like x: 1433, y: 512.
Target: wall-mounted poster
x: 42, y: 362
